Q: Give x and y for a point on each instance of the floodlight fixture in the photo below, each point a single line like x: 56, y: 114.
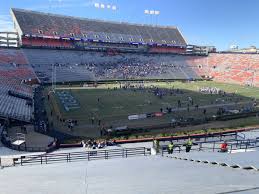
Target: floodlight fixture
x: 151, y: 12
x: 157, y: 12
x: 114, y: 7
x: 97, y: 5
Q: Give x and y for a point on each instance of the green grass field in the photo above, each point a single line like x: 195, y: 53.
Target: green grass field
x: 115, y: 106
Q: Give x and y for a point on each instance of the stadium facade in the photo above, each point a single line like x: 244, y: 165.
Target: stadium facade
x: 45, y: 39
x: 41, y: 29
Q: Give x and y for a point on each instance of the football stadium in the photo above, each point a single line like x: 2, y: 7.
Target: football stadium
x: 100, y: 106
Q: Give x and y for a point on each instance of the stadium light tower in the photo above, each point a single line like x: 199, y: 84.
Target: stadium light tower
x: 105, y: 6
x: 146, y: 11
x: 114, y: 7
x: 96, y: 5
x: 152, y: 13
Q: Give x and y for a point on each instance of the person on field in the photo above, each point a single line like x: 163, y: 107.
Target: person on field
x: 92, y: 120
x: 170, y: 147
x: 156, y: 144
x: 188, y: 145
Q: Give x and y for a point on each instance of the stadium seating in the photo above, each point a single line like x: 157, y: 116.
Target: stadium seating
x: 22, y: 72
x: 14, y: 107
x: 8, y: 56
x: 228, y: 67
x: 14, y: 64
x: 83, y: 65
x: 15, y: 85
x: 50, y: 25
x: 91, y: 65
x: 14, y: 70
x: 50, y: 43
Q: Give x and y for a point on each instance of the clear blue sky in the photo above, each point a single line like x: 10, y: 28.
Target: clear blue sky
x: 205, y: 22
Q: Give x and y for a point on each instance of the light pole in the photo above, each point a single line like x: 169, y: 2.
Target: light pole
x: 54, y: 77
x: 152, y: 13
x: 105, y: 6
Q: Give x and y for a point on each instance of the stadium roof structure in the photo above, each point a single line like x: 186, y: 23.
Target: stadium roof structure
x: 32, y: 23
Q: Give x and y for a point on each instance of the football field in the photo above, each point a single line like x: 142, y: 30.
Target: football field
x: 111, y: 104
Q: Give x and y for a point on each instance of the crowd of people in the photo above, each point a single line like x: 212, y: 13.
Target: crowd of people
x: 134, y: 67
x: 93, y: 144
x: 129, y: 70
x: 160, y: 92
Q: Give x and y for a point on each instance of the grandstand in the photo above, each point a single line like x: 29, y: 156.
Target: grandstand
x: 106, y: 98
x: 80, y: 49
x: 84, y: 31
x: 8, y: 56
x: 145, y: 47
x: 229, y: 68
x: 83, y: 66
x: 15, y: 98
x: 80, y: 65
x: 16, y: 78
x: 64, y: 26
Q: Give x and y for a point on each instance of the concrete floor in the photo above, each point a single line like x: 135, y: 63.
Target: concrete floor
x: 138, y: 175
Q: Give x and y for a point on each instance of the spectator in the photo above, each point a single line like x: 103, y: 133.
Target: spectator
x: 224, y: 147
x: 188, y: 145
x: 170, y: 147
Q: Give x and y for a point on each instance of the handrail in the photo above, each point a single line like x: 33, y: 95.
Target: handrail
x: 207, y: 140
x: 87, y: 155
x: 242, y: 135
x: 238, y: 144
x: 201, y: 135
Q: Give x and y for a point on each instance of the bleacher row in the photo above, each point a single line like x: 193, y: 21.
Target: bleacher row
x: 8, y: 56
x: 14, y: 64
x: 14, y: 107
x: 229, y: 68
x: 49, y: 43
x: 24, y: 72
x: 82, y: 65
x: 40, y: 24
x: 15, y: 85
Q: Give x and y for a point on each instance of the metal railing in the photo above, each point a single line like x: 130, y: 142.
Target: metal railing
x: 244, y: 144
x: 215, y: 146
x: 209, y: 137
x: 77, y: 156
